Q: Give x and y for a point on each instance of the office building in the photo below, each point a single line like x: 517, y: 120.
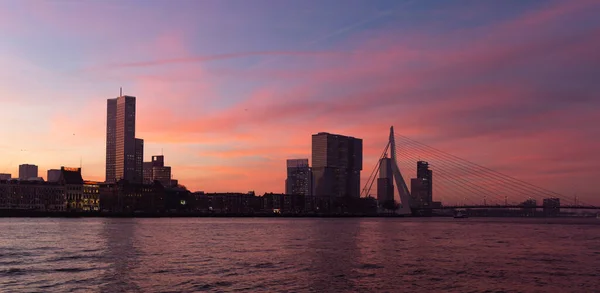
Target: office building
x: 124, y: 153
x: 337, y: 162
x: 53, y: 175
x: 385, y: 185
x: 299, y: 177
x: 5, y: 176
x: 27, y: 171
x: 156, y: 170
x: 138, y: 169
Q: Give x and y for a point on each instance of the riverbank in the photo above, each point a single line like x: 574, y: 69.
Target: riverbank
x: 41, y: 214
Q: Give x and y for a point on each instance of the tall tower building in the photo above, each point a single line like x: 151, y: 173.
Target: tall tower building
x: 422, y: 186
x: 337, y: 162
x: 299, y: 177
x: 138, y: 169
x: 27, y: 171
x: 124, y: 153
x: 385, y: 185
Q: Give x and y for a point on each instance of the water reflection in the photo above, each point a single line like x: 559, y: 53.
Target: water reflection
x: 333, y: 260
x: 121, y: 254
x: 297, y: 255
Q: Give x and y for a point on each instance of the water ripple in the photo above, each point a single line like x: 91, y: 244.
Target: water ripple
x: 298, y: 255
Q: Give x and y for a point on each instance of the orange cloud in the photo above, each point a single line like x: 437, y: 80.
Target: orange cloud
x: 518, y: 100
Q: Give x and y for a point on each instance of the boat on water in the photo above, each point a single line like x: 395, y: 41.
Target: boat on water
x: 460, y: 215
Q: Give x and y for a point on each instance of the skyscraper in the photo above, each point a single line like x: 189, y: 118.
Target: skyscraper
x: 138, y: 170
x: 299, y: 177
x: 385, y: 185
x: 337, y: 162
x: 27, y: 171
x: 422, y: 186
x: 124, y: 153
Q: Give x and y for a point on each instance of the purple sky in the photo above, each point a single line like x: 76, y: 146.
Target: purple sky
x: 231, y: 89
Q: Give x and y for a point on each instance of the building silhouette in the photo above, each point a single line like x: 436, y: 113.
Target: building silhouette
x: 422, y: 186
x: 27, y: 171
x: 5, y: 176
x: 53, y: 175
x: 551, y: 206
x: 299, y: 177
x: 156, y: 170
x: 124, y: 152
x: 385, y: 185
x: 337, y: 162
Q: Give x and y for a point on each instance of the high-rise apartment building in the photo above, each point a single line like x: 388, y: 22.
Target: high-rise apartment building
x: 156, y: 170
x: 299, y: 177
x: 124, y: 153
x: 385, y: 185
x: 27, y: 171
x: 337, y: 162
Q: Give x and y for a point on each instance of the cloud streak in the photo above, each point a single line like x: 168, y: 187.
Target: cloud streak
x: 516, y: 94
x: 217, y: 57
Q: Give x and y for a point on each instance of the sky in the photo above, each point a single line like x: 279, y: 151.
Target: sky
x: 228, y: 90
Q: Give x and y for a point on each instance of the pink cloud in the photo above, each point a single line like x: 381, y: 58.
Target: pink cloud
x: 480, y: 100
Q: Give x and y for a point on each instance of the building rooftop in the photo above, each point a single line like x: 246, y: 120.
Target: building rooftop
x: 71, y: 175
x: 334, y: 134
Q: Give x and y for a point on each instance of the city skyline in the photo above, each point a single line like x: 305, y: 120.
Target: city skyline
x: 509, y: 87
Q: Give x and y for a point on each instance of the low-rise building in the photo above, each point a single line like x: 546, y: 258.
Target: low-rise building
x: 91, y: 196
x: 32, y: 195
x: 233, y: 203
x: 131, y: 197
x: 72, y: 181
x: 283, y: 203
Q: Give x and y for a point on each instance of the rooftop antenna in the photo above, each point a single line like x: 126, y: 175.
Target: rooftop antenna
x: 120, y: 91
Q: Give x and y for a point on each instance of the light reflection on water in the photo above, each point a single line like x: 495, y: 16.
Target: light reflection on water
x: 299, y: 255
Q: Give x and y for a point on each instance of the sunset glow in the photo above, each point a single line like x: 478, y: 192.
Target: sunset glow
x: 228, y: 90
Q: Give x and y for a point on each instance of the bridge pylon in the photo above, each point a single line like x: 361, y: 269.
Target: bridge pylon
x: 403, y: 192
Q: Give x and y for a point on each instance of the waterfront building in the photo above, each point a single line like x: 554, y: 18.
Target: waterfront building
x: 336, y: 165
x: 32, y: 196
x: 128, y: 197
x: 551, y: 206
x: 299, y: 177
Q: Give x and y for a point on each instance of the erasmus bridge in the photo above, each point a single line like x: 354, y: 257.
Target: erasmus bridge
x: 458, y: 183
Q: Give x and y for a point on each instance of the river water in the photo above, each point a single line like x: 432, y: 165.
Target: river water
x: 299, y: 255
